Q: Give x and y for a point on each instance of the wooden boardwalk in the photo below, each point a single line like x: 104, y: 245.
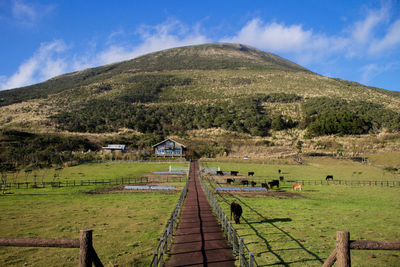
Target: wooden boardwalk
x: 198, y: 240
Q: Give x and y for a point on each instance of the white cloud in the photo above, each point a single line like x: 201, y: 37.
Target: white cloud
x: 28, y: 14
x: 23, y: 12
x: 305, y: 45
x: 362, y: 31
x: 55, y: 58
x: 370, y: 71
x: 44, y: 64
x: 390, y: 41
x: 167, y: 35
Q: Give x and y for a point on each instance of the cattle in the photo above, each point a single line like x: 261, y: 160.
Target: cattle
x: 265, y: 185
x: 234, y: 173
x: 279, y: 171
x: 281, y: 178
x: 236, y: 209
x: 329, y: 177
x: 244, y: 182
x: 220, y: 173
x: 253, y: 184
x: 297, y: 186
x: 250, y: 173
x: 230, y: 181
x: 274, y: 183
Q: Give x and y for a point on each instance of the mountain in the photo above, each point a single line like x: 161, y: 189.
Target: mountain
x: 202, y: 92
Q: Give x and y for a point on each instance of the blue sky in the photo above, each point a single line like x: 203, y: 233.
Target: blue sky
x: 353, y: 40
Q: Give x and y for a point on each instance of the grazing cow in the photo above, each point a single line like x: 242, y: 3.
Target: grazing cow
x: 220, y: 173
x: 274, y: 183
x: 244, y: 182
x: 265, y: 185
x: 329, y: 177
x: 236, y: 209
x: 297, y: 186
x: 250, y: 173
x: 234, y: 173
x: 230, y: 181
x: 279, y: 171
x: 281, y: 178
x: 253, y: 184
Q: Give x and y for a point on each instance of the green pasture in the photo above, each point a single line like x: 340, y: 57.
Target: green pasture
x: 92, y: 171
x: 312, y: 169
x: 126, y: 227
x: 301, y: 231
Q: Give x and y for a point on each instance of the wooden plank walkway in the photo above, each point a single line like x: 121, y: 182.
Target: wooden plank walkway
x: 198, y: 240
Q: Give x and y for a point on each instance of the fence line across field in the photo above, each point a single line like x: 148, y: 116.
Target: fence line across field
x: 319, y: 182
x: 117, y: 181
x: 239, y: 248
x: 341, y: 254
x: 87, y: 254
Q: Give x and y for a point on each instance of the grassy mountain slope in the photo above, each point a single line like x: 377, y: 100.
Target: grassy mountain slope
x: 189, y: 91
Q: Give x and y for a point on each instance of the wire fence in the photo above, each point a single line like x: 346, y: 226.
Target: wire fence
x: 313, y: 182
x: 165, y: 239
x: 69, y: 183
x: 239, y: 248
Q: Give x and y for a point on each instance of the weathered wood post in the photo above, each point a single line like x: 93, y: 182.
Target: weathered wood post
x: 85, y: 246
x: 343, y: 249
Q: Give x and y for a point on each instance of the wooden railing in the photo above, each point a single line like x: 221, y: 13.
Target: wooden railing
x: 341, y: 254
x: 239, y: 248
x: 87, y: 254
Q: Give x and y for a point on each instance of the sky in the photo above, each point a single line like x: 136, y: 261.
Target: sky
x: 353, y: 40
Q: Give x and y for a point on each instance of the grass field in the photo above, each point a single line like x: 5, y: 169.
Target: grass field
x: 301, y: 231
x: 126, y: 227
x: 93, y: 171
x: 313, y: 169
x: 297, y: 231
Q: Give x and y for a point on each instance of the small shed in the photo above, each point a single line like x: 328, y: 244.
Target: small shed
x: 110, y: 148
x: 169, y: 148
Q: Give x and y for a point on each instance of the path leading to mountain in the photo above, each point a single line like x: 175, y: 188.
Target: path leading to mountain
x: 198, y: 240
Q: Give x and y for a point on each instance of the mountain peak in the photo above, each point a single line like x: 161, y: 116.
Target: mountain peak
x: 212, y: 56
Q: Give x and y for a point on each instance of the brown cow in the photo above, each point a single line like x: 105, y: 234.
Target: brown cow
x: 236, y: 209
x: 297, y: 186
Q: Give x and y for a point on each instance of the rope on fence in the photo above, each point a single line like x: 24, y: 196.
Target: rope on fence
x: 239, y: 248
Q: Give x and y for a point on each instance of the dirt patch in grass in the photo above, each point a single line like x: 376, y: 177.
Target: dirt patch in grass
x: 121, y: 189
x: 275, y: 194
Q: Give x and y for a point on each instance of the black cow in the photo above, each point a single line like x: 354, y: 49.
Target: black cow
x: 236, y: 209
x: 244, y: 182
x: 234, y: 173
x: 220, y: 173
x: 279, y: 171
x: 253, y: 184
x: 329, y: 177
x: 250, y: 173
x: 265, y: 185
x: 281, y: 178
x: 274, y: 183
x: 230, y: 181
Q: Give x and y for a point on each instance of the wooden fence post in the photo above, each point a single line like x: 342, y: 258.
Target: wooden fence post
x: 85, y: 242
x: 343, y: 249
